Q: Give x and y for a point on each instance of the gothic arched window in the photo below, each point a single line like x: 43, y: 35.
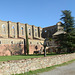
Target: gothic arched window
x: 22, y: 30
x: 35, y: 32
x: 3, y: 29
x: 29, y: 31
x: 13, y: 31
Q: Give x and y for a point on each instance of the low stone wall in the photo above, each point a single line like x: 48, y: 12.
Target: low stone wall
x: 21, y: 66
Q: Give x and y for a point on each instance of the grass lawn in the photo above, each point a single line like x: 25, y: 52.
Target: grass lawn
x: 18, y: 57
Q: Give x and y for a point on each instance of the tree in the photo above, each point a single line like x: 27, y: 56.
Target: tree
x: 68, y: 21
x: 27, y: 42
x: 67, y: 40
x: 45, y: 45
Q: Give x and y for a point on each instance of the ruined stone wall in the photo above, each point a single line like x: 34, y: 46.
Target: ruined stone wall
x: 13, y: 33
x: 32, y: 46
x: 3, y: 29
x: 33, y: 50
x: 21, y: 66
x: 21, y: 30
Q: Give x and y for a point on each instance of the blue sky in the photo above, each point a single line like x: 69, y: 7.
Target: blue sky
x: 41, y: 13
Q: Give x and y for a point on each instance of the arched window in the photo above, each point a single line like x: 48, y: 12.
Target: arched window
x: 45, y: 30
x: 13, y: 31
x: 40, y: 33
x: 35, y: 32
x: 11, y: 42
x: 29, y: 31
x: 0, y: 42
x: 3, y: 29
x: 22, y: 30
x: 30, y: 42
x: 37, y: 43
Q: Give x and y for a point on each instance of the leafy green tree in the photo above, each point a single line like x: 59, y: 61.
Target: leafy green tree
x: 67, y: 40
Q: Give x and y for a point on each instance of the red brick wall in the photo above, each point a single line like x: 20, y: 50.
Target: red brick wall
x: 4, y: 50
x: 32, y: 48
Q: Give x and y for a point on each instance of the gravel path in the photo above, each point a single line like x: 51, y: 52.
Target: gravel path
x: 63, y: 70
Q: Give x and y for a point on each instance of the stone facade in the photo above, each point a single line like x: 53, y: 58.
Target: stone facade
x: 33, y: 43
x: 15, y: 33
x: 53, y: 30
x: 21, y: 66
x: 49, y: 31
x: 3, y: 29
x: 21, y: 30
x: 5, y: 42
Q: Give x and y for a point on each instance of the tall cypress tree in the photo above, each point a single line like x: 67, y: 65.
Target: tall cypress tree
x: 27, y: 42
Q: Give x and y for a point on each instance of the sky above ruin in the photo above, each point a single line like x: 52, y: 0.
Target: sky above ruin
x: 41, y: 13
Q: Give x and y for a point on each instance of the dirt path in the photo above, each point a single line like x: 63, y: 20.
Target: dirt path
x: 63, y: 70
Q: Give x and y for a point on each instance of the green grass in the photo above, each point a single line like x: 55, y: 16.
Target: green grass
x: 36, y: 72
x: 8, y: 58
x: 18, y: 57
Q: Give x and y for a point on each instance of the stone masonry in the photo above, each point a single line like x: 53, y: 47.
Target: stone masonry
x: 25, y: 65
x: 15, y: 33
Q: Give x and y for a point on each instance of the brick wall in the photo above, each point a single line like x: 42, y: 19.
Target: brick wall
x: 4, y: 50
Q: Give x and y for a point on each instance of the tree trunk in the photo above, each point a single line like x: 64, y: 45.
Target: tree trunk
x: 44, y: 51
